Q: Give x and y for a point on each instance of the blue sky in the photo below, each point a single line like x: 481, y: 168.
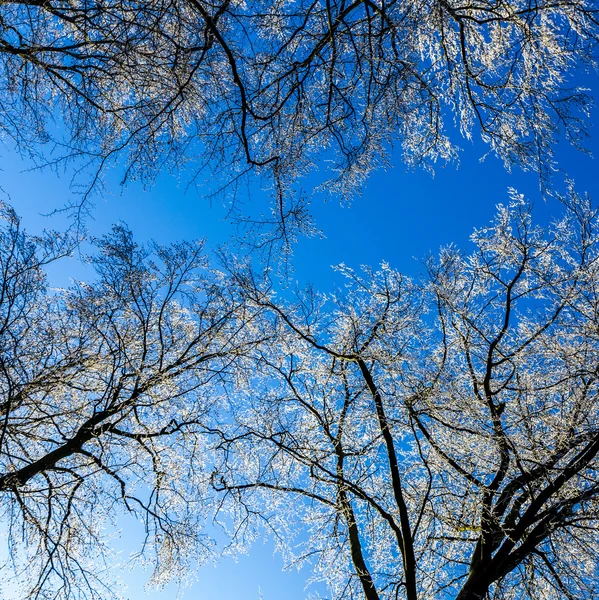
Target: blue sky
x: 400, y: 217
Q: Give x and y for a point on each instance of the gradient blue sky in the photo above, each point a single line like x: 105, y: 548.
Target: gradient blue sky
x: 401, y: 217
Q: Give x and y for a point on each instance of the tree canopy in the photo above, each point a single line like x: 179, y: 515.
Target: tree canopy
x: 422, y: 438
x: 105, y: 388
x: 438, y: 438
x: 431, y: 438
x: 270, y: 85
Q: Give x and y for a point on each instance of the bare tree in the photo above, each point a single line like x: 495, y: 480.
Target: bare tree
x: 436, y: 439
x: 410, y: 439
x: 105, y: 388
x: 271, y: 85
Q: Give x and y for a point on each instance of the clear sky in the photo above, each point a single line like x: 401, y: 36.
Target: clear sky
x: 401, y: 217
